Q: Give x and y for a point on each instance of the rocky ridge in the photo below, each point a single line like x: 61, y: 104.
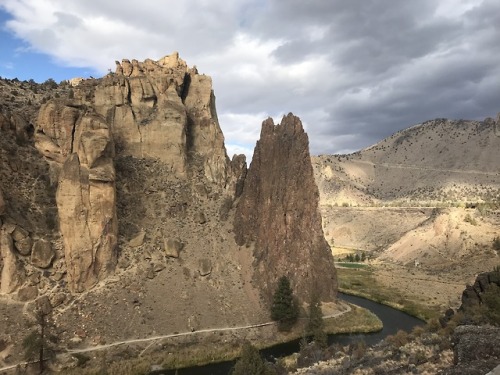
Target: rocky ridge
x: 423, y: 203
x: 116, y: 194
x: 439, y: 160
x: 153, y: 109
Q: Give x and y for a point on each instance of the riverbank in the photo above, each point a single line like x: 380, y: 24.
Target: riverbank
x: 413, y: 292
x: 201, y: 348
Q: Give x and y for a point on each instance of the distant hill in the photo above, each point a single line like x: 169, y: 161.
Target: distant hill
x: 424, y: 202
x: 437, y: 161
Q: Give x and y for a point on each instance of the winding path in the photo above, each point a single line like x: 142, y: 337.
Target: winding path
x: 156, y: 338
x: 208, y: 330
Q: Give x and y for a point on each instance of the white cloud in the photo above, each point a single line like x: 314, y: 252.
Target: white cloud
x: 352, y: 71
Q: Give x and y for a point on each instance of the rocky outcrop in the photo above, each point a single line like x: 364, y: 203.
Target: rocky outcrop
x: 159, y: 110
x: 165, y: 110
x: 12, y: 273
x: 476, y: 350
x: 79, y: 143
x: 471, y: 296
x: 278, y: 215
x: 2, y: 203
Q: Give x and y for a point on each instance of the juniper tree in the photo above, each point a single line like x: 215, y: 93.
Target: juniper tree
x: 39, y: 345
x: 250, y: 362
x: 284, y: 309
x: 315, y: 324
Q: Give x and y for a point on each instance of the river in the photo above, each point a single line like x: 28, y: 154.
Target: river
x: 392, y: 319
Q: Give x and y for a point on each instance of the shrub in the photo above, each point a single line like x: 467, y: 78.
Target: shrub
x: 315, y: 324
x: 398, y: 340
x: 496, y: 243
x: 309, y: 354
x: 250, y: 362
x: 491, y: 304
x: 469, y: 219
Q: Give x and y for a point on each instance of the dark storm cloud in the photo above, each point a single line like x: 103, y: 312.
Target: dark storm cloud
x: 354, y: 71
x: 406, y: 62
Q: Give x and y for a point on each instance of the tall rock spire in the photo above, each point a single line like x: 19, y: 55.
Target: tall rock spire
x: 278, y: 214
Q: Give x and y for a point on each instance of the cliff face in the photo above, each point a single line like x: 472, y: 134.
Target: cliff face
x: 127, y: 176
x: 153, y: 110
x: 164, y: 110
x: 278, y: 214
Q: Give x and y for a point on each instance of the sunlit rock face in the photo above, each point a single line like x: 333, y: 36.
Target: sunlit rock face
x: 159, y: 110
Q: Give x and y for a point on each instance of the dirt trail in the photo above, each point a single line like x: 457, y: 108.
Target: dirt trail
x: 162, y: 337
x: 420, y: 168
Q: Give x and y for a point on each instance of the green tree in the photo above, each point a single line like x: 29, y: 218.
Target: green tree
x: 284, y: 309
x: 315, y: 324
x: 250, y: 362
x: 50, y: 84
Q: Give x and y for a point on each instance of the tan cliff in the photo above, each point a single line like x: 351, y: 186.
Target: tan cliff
x: 117, y: 199
x: 116, y: 194
x: 161, y: 110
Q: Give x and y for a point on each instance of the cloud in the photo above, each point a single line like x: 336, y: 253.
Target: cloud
x: 353, y: 71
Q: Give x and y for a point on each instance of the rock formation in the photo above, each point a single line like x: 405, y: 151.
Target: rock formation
x: 471, y: 296
x: 2, y: 204
x: 278, y: 215
x: 165, y: 110
x: 159, y: 110
x: 12, y: 273
x: 476, y: 350
x: 79, y: 144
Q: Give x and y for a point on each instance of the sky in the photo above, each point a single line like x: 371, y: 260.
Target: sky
x: 354, y: 71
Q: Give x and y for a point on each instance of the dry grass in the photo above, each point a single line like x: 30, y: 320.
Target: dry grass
x: 363, y: 283
x: 358, y: 320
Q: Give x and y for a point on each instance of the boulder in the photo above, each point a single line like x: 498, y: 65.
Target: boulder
x: 42, y: 254
x: 19, y: 233
x: 57, y: 299
x: 173, y: 247
x: 199, y: 217
x: 27, y: 293
x: 24, y: 245
x: 476, y: 349
x: 138, y: 240
x: 22, y: 240
x: 205, y: 267
x: 12, y: 273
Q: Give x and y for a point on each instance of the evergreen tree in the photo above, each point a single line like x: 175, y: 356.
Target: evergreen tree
x: 284, y: 309
x: 316, y: 325
x: 39, y: 345
x: 250, y: 362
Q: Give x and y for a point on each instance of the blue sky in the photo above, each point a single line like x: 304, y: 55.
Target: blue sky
x: 353, y: 71
x: 18, y: 59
